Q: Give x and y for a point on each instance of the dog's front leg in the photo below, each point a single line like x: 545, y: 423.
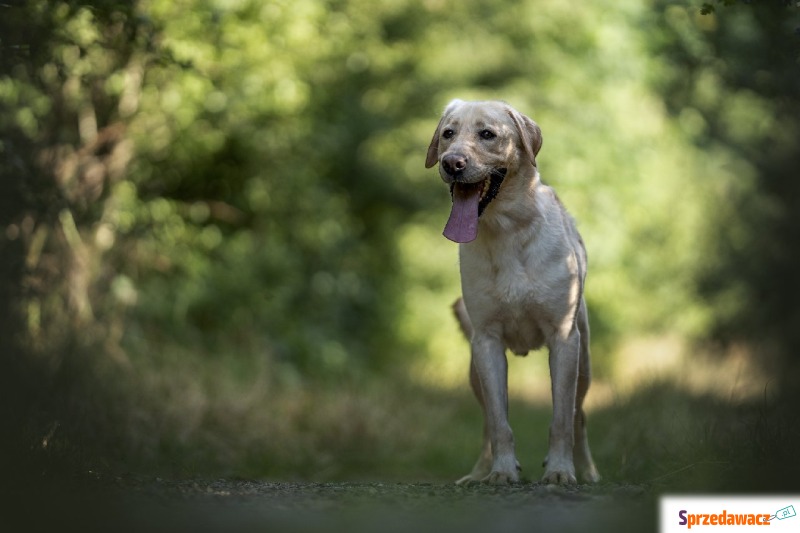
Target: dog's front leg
x: 491, y: 366
x: 564, y: 357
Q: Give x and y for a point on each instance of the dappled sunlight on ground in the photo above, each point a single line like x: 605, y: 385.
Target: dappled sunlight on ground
x: 732, y: 376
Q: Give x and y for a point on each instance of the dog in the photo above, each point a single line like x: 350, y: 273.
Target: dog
x: 523, y: 266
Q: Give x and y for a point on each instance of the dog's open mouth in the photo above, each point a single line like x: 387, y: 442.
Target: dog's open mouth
x: 469, y: 202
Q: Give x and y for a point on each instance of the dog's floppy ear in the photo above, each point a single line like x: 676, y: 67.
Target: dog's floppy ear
x: 529, y: 133
x: 433, y: 149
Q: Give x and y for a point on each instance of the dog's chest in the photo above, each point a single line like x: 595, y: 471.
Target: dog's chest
x: 521, y: 309
x: 516, y: 293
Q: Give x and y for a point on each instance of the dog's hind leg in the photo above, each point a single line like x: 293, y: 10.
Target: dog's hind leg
x: 582, y: 456
x: 460, y: 311
x: 484, y: 463
x: 483, y: 466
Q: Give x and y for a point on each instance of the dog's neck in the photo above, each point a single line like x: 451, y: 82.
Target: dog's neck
x: 516, y: 209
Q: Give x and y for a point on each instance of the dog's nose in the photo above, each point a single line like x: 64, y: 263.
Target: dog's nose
x: 454, y: 163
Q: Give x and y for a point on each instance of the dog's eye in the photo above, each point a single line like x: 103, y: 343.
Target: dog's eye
x: 448, y: 133
x: 487, y: 135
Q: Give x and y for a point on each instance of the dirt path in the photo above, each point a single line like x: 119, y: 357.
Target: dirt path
x: 231, y: 505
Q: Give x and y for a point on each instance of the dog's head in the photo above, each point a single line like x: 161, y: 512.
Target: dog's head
x: 478, y: 145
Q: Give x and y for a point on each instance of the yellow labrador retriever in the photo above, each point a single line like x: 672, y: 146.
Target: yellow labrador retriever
x: 522, y: 271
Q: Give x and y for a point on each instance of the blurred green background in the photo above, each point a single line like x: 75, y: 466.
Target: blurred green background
x: 222, y: 254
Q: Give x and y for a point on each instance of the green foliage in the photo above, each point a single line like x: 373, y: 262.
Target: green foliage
x: 239, y: 166
x: 748, y: 106
x: 242, y: 193
x: 708, y: 8
x: 236, y: 188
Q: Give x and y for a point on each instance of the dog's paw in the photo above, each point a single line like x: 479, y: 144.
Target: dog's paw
x: 468, y: 480
x: 590, y: 474
x: 481, y: 474
x: 501, y: 478
x: 559, y: 477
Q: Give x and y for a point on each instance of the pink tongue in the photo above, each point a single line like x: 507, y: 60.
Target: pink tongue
x: 462, y: 226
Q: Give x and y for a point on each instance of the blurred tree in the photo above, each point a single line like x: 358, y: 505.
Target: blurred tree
x: 735, y: 71
x: 199, y: 177
x: 207, y: 164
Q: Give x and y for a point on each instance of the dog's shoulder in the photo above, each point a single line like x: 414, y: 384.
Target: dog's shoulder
x: 560, y: 224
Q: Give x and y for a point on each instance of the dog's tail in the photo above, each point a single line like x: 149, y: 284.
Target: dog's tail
x: 460, y: 310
